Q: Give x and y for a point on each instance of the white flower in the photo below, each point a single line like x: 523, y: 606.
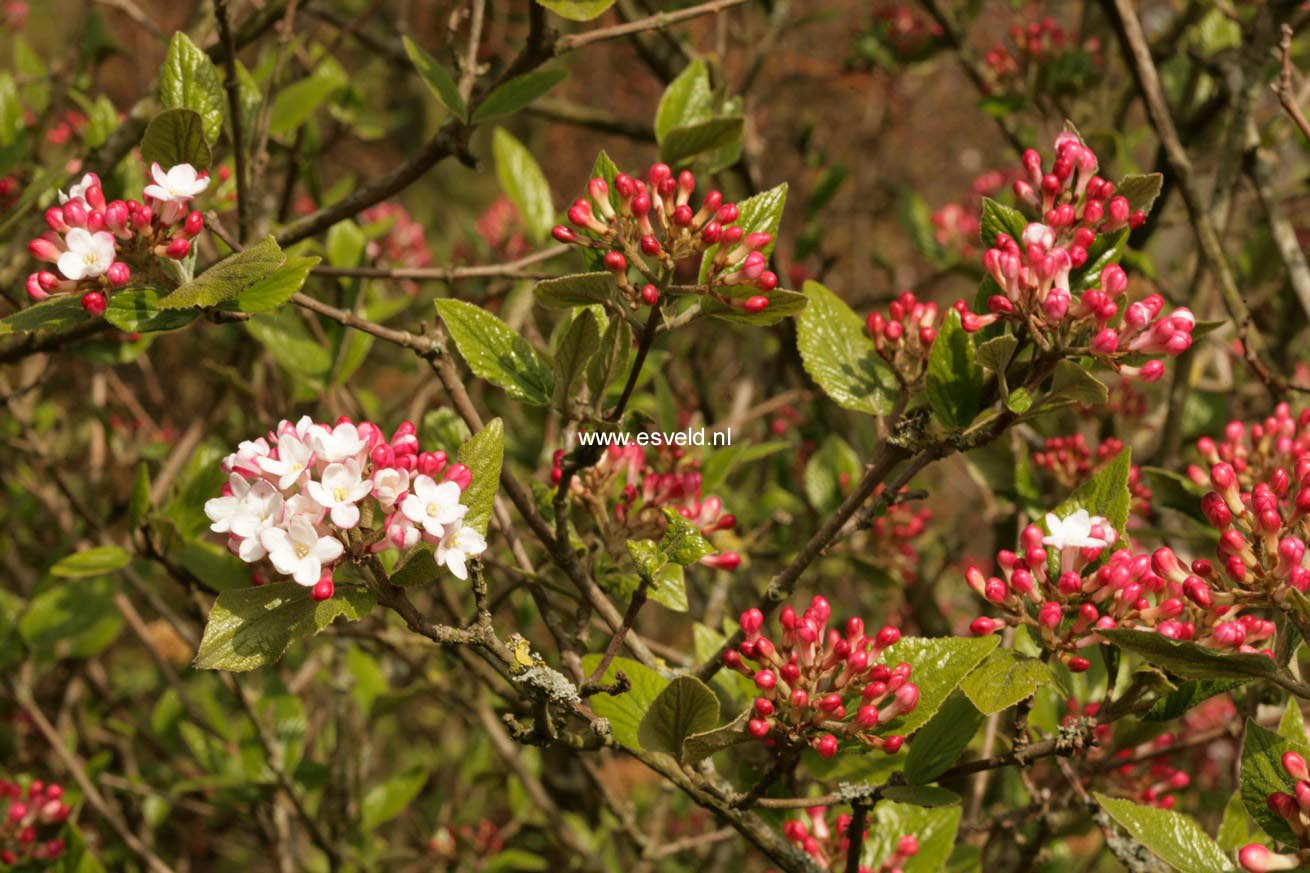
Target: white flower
x: 1073, y: 532
x: 433, y: 506
x: 299, y: 552
x: 293, y: 459
x: 304, y: 506
x: 260, y: 509
x: 342, y: 487
x: 78, y: 191
x: 179, y: 185
x: 222, y: 510
x: 246, y: 458
x: 457, y: 546
x: 389, y: 485
x: 89, y: 254
x: 339, y: 443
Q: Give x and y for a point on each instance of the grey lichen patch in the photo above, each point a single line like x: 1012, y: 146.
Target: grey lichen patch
x: 855, y: 792
x: 549, y: 683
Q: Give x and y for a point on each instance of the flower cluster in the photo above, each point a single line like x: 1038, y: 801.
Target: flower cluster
x: 956, y: 225
x: 654, y: 219
x: 894, y: 533
x: 1255, y: 451
x: 904, y: 336
x: 402, y: 245
x: 1065, y: 607
x: 1033, y: 272
x: 308, y: 492
x: 906, y: 32
x: 1036, y: 45
x: 1071, y: 462
x: 500, y: 228
x: 822, y: 684
x: 828, y: 842
x: 646, y: 489
x: 13, y: 14
x: 95, y: 245
x: 24, y: 815
x: 1295, y: 809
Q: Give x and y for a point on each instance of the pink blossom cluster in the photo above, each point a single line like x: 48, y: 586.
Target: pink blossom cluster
x: 9, y: 191
x: 13, y: 14
x: 1256, y: 450
x: 1262, y: 547
x: 654, y: 219
x: 1033, y: 272
x: 894, y: 535
x: 1294, y: 808
x: 501, y: 228
x: 904, y: 336
x: 25, y: 814
x: 307, y: 494
x: 95, y: 245
x: 1091, y: 589
x: 822, y: 684
x: 402, y: 245
x: 956, y: 225
x: 645, y: 489
x: 827, y: 840
x: 1035, y: 45
x: 905, y: 30
x: 1071, y: 462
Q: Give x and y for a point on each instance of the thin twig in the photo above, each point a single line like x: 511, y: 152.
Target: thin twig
x: 658, y: 21
x: 232, y: 87
x: 1285, y: 90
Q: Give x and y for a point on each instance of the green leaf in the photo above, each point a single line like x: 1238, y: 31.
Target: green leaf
x: 625, y: 711
x: 954, y: 380
x: 687, y: 100
x: 384, y: 802
x: 682, y: 143
x: 1141, y: 191
x: 98, y: 561
x: 189, y: 80
x: 1188, y: 695
x: 139, y: 505
x: 700, y: 746
x: 295, y: 103
x: 782, y: 303
x: 1105, y: 494
x: 419, y: 568
x: 664, y: 578
x: 517, y: 93
x: 998, y: 218
x: 287, y: 339
x: 682, y: 542
x: 759, y: 214
x: 251, y: 627
x: 496, y: 353
x: 1073, y: 383
x: 997, y: 353
x: 934, y: 827
x: 483, y: 455
x: 938, y: 666
x: 576, y: 350
x: 136, y: 310
x: 516, y: 860
x: 52, y: 314
x: 176, y: 136
x: 686, y: 706
x: 718, y: 464
x: 1292, y: 725
x: 227, y: 279
x: 1106, y: 250
x: 439, y: 82
x: 72, y: 621
x: 1173, y: 837
x: 1004, y: 679
x: 578, y: 289
x: 929, y: 796
x: 1262, y: 774
x: 832, y: 465
x: 577, y: 10
x: 612, y: 359
x: 941, y: 741
x: 1190, y: 660
x: 521, y: 178
x: 277, y: 287
x: 839, y: 355
x: 1236, y: 829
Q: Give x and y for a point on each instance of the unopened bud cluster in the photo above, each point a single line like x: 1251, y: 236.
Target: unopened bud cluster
x: 894, y: 535
x: 640, y: 222
x: 1036, y: 46
x: 96, y: 245
x: 1066, y: 603
x: 308, y: 493
x: 821, y: 685
x: 1294, y: 808
x: 1034, y: 272
x: 29, y: 818
x: 645, y: 490
x: 1256, y: 450
x: 1071, y: 462
x: 827, y: 841
x: 903, y: 337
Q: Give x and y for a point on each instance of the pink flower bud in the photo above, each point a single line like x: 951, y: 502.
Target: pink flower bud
x: 118, y: 274
x: 94, y: 303
x: 178, y: 249
x: 615, y: 262
x: 1295, y: 766
x: 755, y: 304
x: 34, y: 289
x: 826, y: 746
x: 459, y: 474
x: 195, y: 222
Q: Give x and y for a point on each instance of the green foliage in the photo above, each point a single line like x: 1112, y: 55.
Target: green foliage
x: 578, y: 289
x: 941, y: 741
x: 384, y: 802
x: 138, y: 310
x: 576, y: 349
x: 938, y: 665
x: 840, y: 357
x: 52, y: 314
x: 1262, y: 774
x: 483, y: 455
x: 98, y: 561
x: 496, y: 353
x: 229, y: 278
x: 1171, y: 836
x: 761, y: 213
x: 251, y: 627
x: 954, y: 380
x: 685, y: 706
x: 577, y: 10
x: 1106, y: 494
x: 189, y: 80
x: 521, y: 178
x: 517, y: 94
x: 625, y: 711
x: 1004, y: 679
x: 439, y: 81
x: 998, y: 218
x: 934, y: 827
x: 174, y: 137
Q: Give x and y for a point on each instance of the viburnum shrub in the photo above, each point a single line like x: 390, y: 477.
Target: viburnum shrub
x: 733, y: 436
x: 31, y: 816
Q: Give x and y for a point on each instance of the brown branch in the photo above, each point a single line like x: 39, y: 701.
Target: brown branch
x: 1285, y: 90
x: 658, y: 21
x: 36, y: 343
x: 232, y: 87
